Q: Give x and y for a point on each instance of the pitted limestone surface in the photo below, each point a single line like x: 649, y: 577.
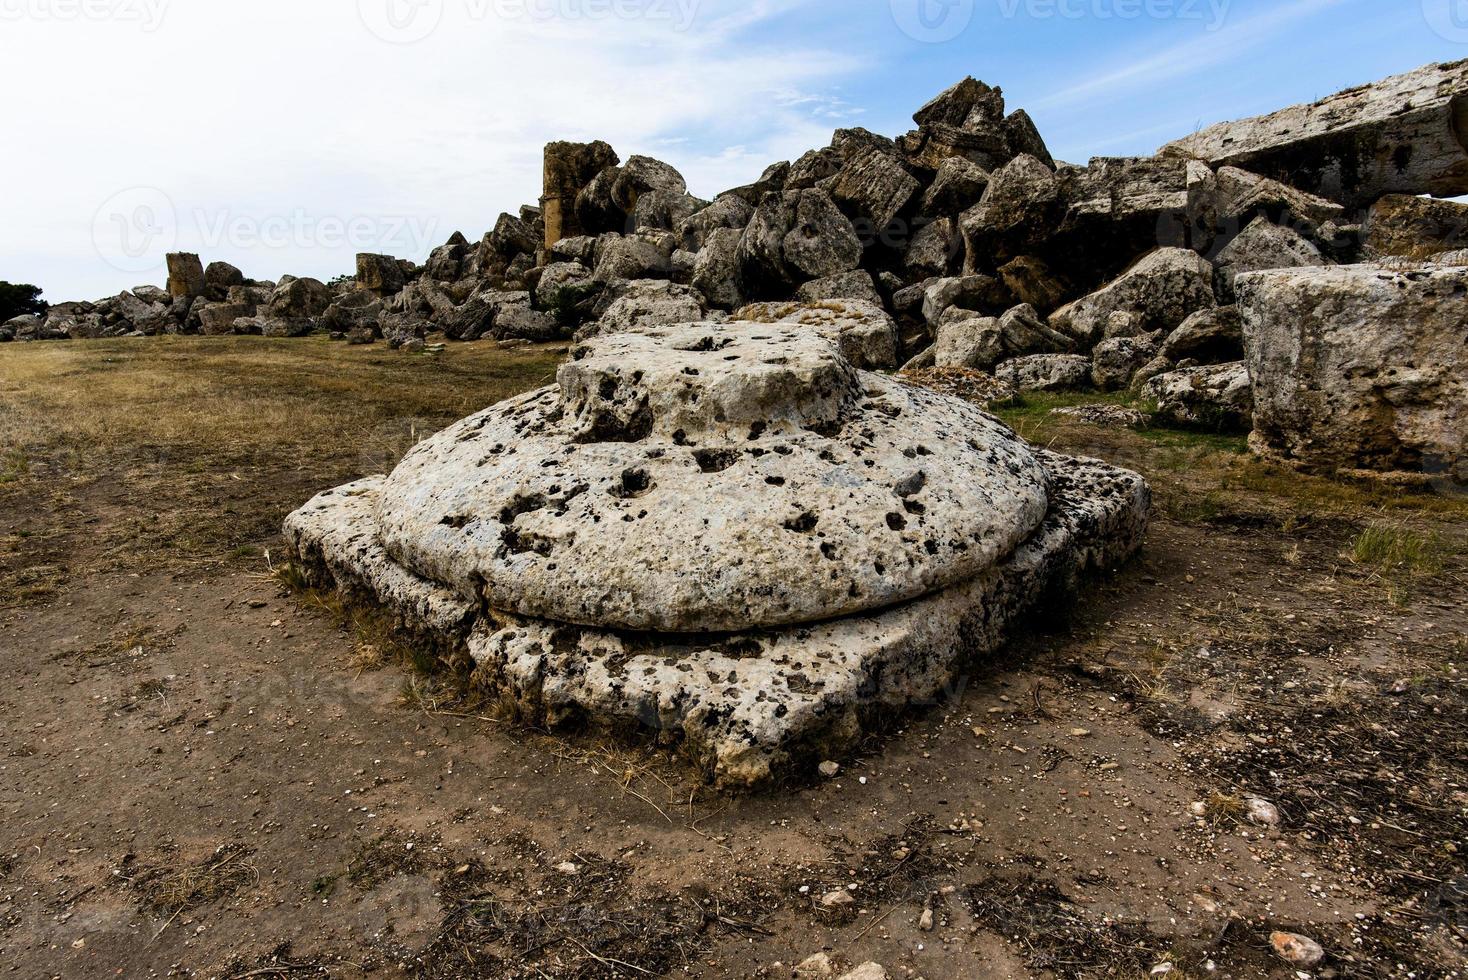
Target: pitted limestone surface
x: 704, y: 383
x: 751, y: 705
x: 808, y: 492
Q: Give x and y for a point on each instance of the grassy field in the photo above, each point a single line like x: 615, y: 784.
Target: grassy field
x: 187, y: 450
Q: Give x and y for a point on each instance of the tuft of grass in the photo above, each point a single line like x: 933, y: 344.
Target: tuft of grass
x: 173, y: 889
x: 1393, y: 550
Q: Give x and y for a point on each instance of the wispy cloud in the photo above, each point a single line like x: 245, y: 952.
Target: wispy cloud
x: 1227, y: 44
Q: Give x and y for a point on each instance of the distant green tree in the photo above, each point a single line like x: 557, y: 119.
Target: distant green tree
x: 18, y: 298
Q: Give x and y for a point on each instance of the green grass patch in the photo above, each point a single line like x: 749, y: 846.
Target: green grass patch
x: 1397, y: 550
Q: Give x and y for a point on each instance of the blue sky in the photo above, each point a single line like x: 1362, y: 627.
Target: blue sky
x: 285, y: 135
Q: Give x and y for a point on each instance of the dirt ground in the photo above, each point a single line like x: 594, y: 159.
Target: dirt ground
x: 204, y: 775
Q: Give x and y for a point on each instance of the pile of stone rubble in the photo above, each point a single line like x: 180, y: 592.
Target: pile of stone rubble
x: 1281, y: 273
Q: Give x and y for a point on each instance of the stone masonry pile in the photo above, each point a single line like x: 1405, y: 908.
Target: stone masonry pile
x: 1212, y: 278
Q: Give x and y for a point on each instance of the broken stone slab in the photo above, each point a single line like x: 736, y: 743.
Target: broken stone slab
x: 217, y: 319
x: 716, y: 269
x: 794, y: 238
x: 857, y: 284
x: 1018, y: 211
x: 379, y: 273
x: 980, y: 293
x: 185, y: 274
x: 1414, y: 228
x: 1360, y: 367
x: 872, y: 188
x: 1046, y: 372
x: 644, y: 303
x: 729, y: 211
x: 219, y: 278
x: 862, y: 330
x: 1161, y: 290
x: 957, y: 186
x: 304, y: 297
x: 1208, y: 336
x: 639, y: 256
x: 968, y: 342
x: 1405, y: 134
x: 1214, y: 397
x: 1116, y: 359
x: 1242, y: 196
x: 964, y: 341
x: 933, y: 250
x: 356, y: 310
x: 1264, y: 245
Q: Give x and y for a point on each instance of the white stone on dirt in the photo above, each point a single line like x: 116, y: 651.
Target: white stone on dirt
x: 1302, y: 951
x: 867, y: 971
x: 726, y: 531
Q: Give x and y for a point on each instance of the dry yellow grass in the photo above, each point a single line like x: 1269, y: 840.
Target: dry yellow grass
x: 173, y: 450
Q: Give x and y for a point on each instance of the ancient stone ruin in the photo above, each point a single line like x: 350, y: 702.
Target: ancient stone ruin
x: 723, y: 525
x: 963, y: 245
x: 724, y: 532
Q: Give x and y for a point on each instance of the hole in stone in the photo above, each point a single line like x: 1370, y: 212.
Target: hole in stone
x: 519, y: 544
x: 757, y: 430
x: 521, y: 505
x: 692, y: 372
x: 635, y: 483
x: 828, y: 550
x: 716, y: 460
x: 896, y: 521
x: 456, y: 521
x: 804, y: 524
x: 914, y: 507
x: 775, y: 481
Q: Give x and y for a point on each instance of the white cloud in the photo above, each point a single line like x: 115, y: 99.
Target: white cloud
x: 256, y: 116
x: 1232, y: 42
